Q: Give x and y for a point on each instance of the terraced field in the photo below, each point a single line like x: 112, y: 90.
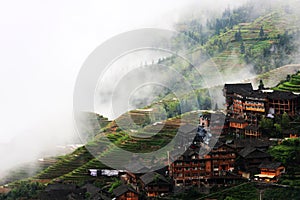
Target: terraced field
x: 230, y: 61
x: 292, y: 85
x: 74, y: 167
x: 66, y: 164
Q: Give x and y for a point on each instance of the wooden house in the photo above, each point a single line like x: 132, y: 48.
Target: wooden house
x: 249, y: 160
x: 125, y: 192
x: 252, y: 131
x: 205, y: 166
x: 270, y: 171
x: 155, y: 185
x: 282, y: 102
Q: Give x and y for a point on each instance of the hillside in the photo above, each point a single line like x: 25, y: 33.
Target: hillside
x: 238, y: 52
x: 74, y: 167
x: 291, y: 84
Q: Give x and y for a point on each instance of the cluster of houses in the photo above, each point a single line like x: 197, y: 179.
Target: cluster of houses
x: 246, y: 107
x: 210, y: 160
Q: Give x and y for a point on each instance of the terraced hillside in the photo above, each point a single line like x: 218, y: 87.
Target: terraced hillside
x: 27, y: 170
x: 292, y: 84
x: 74, y: 167
x: 66, y: 164
x: 265, y: 43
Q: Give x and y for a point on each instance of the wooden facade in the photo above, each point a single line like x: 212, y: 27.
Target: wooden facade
x: 125, y: 192
x: 238, y: 123
x: 270, y: 171
x: 250, y: 158
x: 155, y: 184
x: 244, y: 103
x: 252, y: 131
x: 193, y: 169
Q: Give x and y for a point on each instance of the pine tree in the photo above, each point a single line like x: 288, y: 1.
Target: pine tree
x: 242, y: 48
x: 261, y: 32
x: 238, y: 35
x: 261, y: 85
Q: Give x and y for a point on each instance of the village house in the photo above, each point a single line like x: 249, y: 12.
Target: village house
x: 93, y: 192
x: 239, y: 144
x: 249, y: 160
x: 204, y: 166
x: 155, y: 185
x: 283, y: 102
x: 290, y: 133
x: 125, y: 192
x: 252, y: 131
x: 215, y: 122
x: 245, y: 107
x: 188, y: 169
x: 270, y: 171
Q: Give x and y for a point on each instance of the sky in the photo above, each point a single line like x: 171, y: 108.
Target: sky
x: 43, y: 45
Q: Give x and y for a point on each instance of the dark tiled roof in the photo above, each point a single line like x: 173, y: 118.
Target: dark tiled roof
x: 290, y: 131
x: 252, y: 127
x: 238, y: 87
x: 246, y: 90
x: 258, y: 143
x: 101, y: 197
x: 123, y: 189
x: 281, y: 95
x: 258, y: 94
x: 61, y: 186
x: 90, y: 188
x: 219, y: 144
x: 152, y: 176
x: 236, y: 120
x: 270, y: 165
x: 251, y: 152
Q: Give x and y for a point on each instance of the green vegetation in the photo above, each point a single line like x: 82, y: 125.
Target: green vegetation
x: 245, y: 191
x: 114, y: 185
x: 275, y: 127
x: 238, y: 39
x: 66, y: 164
x: 282, y: 193
x: 291, y: 84
x: 25, y: 190
x: 288, y: 154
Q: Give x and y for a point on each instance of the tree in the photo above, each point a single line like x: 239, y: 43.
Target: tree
x: 206, y: 104
x: 261, y: 85
x: 278, y: 129
x: 242, y: 48
x: 285, y: 121
x: 266, y: 124
x: 238, y: 35
x: 261, y: 32
x: 216, y: 107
